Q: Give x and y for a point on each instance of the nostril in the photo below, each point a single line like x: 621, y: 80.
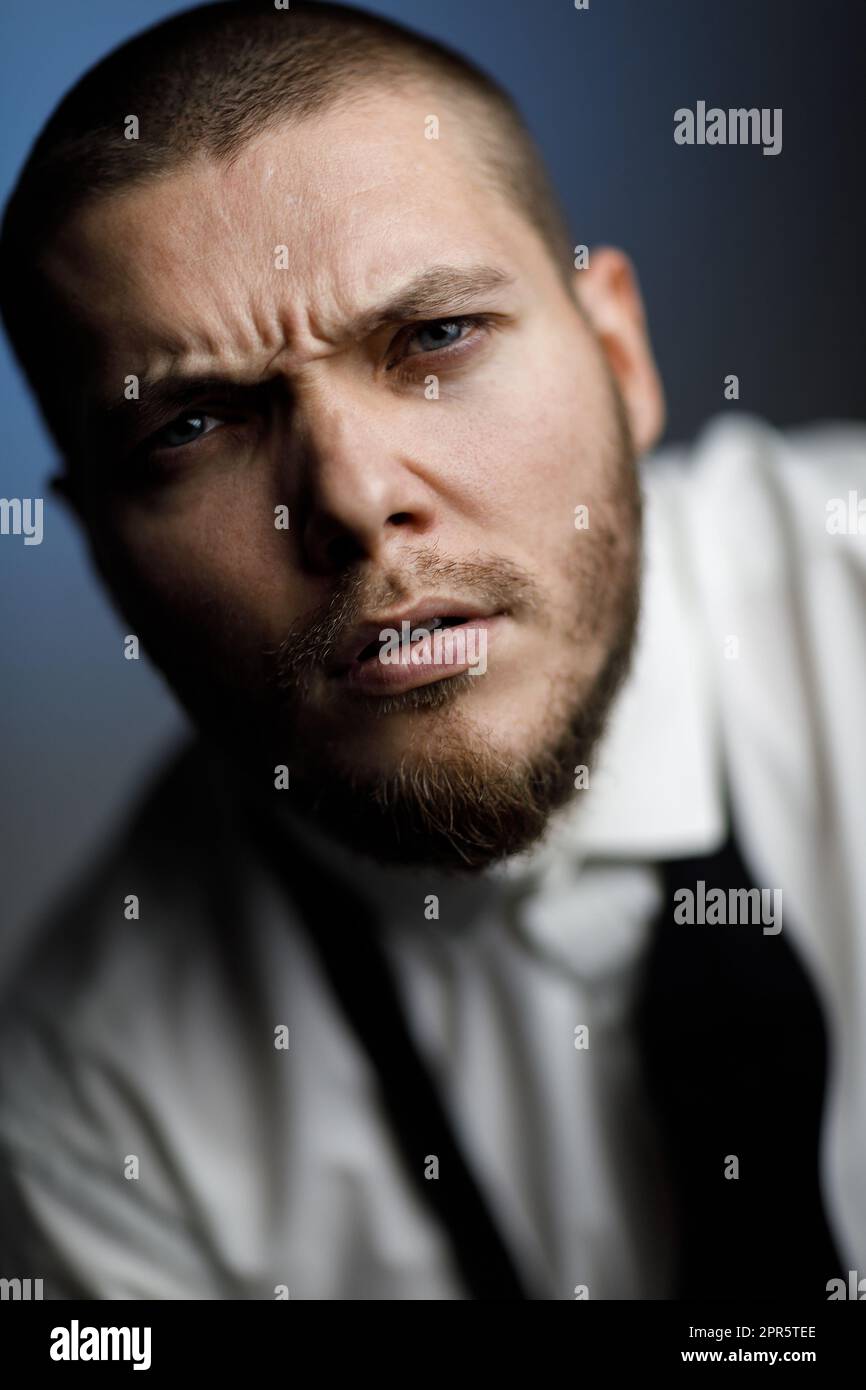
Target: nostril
x: 400, y: 519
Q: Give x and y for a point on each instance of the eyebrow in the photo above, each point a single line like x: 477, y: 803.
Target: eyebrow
x: 110, y: 423
x: 439, y: 291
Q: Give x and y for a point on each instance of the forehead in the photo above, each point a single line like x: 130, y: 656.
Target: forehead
x: 316, y: 219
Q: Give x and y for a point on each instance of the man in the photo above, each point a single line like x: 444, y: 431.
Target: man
x: 383, y: 994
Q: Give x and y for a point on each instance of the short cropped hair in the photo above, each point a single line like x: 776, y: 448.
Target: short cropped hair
x: 205, y: 82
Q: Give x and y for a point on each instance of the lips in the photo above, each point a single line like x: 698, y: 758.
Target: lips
x: 373, y: 648
x: 364, y: 642
x: 430, y: 659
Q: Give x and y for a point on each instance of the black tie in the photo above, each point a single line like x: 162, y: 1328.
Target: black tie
x: 734, y: 1046
x: 734, y: 1049
x: 339, y: 927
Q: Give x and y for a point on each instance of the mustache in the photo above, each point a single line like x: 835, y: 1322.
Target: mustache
x: 312, y: 640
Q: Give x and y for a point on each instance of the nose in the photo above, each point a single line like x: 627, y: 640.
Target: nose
x: 361, y: 492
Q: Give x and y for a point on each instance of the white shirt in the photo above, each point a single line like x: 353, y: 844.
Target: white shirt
x: 154, y: 1143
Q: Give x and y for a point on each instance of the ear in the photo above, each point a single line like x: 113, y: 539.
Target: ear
x: 608, y: 290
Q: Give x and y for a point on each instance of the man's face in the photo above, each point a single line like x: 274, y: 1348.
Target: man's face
x: 405, y: 410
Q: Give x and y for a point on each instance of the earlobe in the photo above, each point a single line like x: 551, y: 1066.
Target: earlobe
x: 608, y: 291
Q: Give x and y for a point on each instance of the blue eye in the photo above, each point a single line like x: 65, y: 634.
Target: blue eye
x: 439, y: 334
x: 186, y: 429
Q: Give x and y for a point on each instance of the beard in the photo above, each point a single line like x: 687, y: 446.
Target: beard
x: 454, y: 800
x: 465, y: 809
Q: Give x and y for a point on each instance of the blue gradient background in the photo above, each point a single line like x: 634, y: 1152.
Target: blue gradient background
x: 749, y: 264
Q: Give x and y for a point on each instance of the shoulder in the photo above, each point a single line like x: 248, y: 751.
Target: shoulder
x: 118, y: 1022
x: 753, y: 500
x: 770, y: 529
x: 114, y: 922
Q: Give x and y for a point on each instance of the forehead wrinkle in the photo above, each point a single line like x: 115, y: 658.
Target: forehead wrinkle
x: 244, y: 348
x: 307, y: 331
x: 224, y: 312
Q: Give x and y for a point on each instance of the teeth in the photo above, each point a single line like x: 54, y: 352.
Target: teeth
x: 430, y: 625
x: 449, y: 620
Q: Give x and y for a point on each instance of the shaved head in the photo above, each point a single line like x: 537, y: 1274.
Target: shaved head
x: 203, y: 85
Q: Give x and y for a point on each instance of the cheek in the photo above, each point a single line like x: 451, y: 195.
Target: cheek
x: 209, y: 569
x: 563, y: 494
x: 531, y: 444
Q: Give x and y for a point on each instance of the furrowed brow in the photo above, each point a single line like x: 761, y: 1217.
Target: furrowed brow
x: 110, y: 422
x: 439, y: 290
x: 442, y: 289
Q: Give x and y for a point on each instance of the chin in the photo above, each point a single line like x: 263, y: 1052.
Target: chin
x: 453, y: 799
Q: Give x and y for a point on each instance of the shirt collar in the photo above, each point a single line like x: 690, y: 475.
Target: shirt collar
x: 656, y: 790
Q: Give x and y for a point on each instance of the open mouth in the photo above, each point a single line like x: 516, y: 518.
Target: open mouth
x: 429, y: 625
x: 395, y: 654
